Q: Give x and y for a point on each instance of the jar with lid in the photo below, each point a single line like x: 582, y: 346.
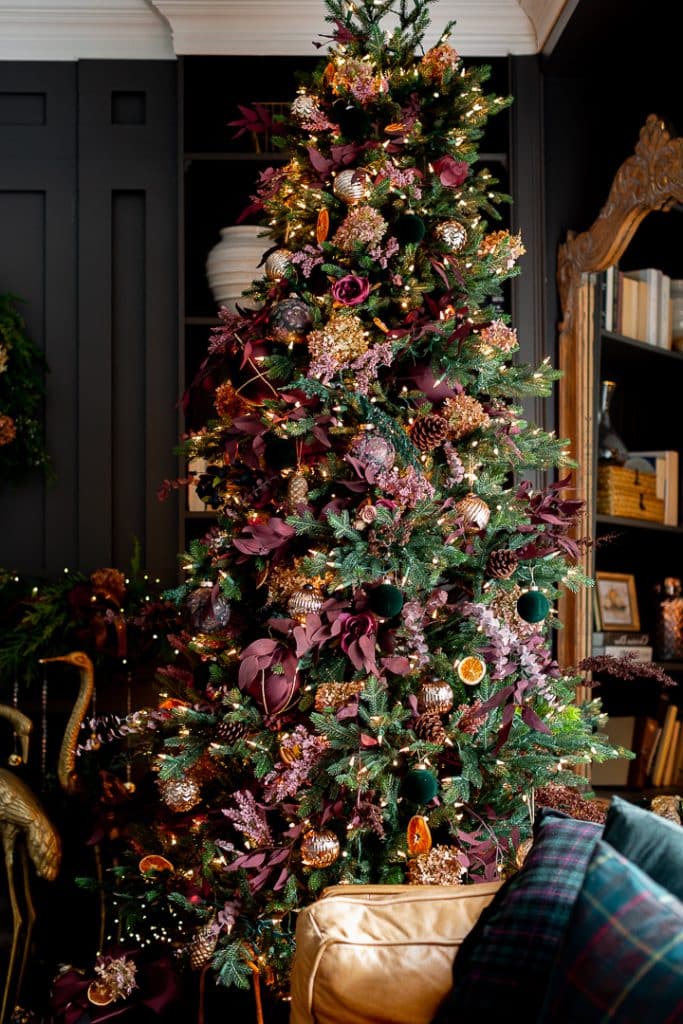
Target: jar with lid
x: 669, y: 628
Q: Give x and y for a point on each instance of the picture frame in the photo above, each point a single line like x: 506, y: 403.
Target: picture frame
x: 616, y: 602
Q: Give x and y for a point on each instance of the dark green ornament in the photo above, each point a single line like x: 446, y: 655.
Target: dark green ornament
x: 353, y: 121
x: 533, y: 606
x: 386, y: 600
x: 409, y: 228
x: 420, y: 786
x: 280, y: 452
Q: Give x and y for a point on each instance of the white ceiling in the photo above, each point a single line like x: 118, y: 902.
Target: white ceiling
x: 163, y: 29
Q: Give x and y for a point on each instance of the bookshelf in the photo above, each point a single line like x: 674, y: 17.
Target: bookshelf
x: 639, y: 228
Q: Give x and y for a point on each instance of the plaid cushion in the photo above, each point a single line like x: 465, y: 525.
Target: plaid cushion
x: 505, y: 963
x: 622, y: 959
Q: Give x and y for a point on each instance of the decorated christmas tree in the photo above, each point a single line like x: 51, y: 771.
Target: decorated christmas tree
x: 365, y: 691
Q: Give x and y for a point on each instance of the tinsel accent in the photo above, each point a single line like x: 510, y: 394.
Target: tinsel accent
x: 8, y: 430
x: 351, y: 186
x: 437, y: 62
x: 564, y: 798
x: 501, y: 564
x: 320, y: 848
x: 335, y: 345
x: 362, y: 225
x: 429, y: 431
x: 429, y: 727
x: 203, y: 945
x: 335, y: 695
x: 179, y: 795
x: 441, y: 866
x: 498, y: 336
x: 668, y: 807
x: 464, y: 414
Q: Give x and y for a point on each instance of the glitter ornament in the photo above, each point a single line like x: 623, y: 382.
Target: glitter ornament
x: 297, y: 490
x: 342, y: 339
x: 351, y: 186
x: 319, y: 848
x: 464, y: 414
x: 441, y: 866
x: 452, y: 234
x: 306, y: 601
x: 532, y: 605
x: 386, y: 600
x: 474, y: 511
x: 420, y: 786
x: 203, y: 945
x: 435, y: 695
x: 277, y: 264
x: 332, y: 696
x: 290, y: 321
x: 418, y: 836
x: 304, y: 108
x: 501, y: 564
x: 375, y: 450
x: 429, y: 432
x: 179, y: 795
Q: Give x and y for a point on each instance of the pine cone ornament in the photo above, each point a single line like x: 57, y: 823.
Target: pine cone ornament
x: 202, y: 946
x: 464, y: 414
x: 429, y: 727
x: 501, y: 564
x: 297, y: 490
x: 429, y: 432
x: 229, y: 732
x: 179, y: 795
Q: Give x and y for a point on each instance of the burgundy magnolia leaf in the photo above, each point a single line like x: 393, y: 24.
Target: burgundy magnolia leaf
x: 254, y: 119
x: 531, y: 719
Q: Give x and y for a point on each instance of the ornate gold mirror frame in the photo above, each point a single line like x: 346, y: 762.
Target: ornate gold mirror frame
x: 651, y: 179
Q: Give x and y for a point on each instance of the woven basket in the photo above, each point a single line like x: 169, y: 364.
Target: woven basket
x: 629, y: 493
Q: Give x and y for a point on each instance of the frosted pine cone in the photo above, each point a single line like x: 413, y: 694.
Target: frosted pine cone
x: 202, y: 946
x: 429, y: 727
x: 464, y: 415
x: 501, y: 564
x: 429, y: 432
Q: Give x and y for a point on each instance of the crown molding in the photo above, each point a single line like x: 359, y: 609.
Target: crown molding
x: 162, y: 29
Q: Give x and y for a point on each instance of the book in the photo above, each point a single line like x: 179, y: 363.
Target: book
x: 665, y: 742
x: 677, y: 778
x: 643, y: 653
x: 620, y: 730
x: 648, y: 303
x: 644, y: 739
x: 628, y: 324
x: 668, y: 774
x: 610, y: 297
x: 602, y: 637
x: 666, y: 468
x: 665, y: 312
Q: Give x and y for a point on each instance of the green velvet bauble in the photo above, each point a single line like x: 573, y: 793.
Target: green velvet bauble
x: 386, y: 600
x: 280, y: 452
x: 420, y: 786
x: 533, y: 606
x: 409, y: 228
x: 353, y: 121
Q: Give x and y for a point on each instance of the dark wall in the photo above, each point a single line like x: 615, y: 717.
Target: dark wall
x: 88, y: 225
x: 616, y: 62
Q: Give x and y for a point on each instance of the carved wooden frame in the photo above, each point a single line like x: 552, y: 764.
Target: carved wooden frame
x: 651, y: 179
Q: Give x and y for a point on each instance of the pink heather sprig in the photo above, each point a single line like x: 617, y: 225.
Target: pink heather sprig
x: 223, y: 335
x: 362, y: 225
x: 408, y: 487
x: 117, y: 975
x: 249, y: 819
x: 288, y: 778
x: 413, y: 615
x: 381, y: 254
x: 366, y: 365
x: 508, y: 653
x: 307, y: 259
x: 456, y: 468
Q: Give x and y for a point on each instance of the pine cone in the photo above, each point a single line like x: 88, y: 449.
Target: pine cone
x: 501, y: 564
x: 229, y: 732
x: 429, y: 431
x: 202, y: 946
x: 464, y: 415
x: 297, y: 490
x: 429, y: 727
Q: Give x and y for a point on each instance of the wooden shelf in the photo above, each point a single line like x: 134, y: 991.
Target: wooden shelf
x: 638, y: 524
x: 632, y: 346
x: 257, y: 158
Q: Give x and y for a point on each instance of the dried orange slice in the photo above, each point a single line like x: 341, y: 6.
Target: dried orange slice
x: 99, y: 994
x: 322, y: 226
x: 395, y: 128
x: 471, y: 670
x: 418, y: 836
x: 172, y: 702
x: 154, y: 862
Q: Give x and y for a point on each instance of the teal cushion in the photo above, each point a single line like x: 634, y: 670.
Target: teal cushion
x: 622, y: 957
x: 648, y: 840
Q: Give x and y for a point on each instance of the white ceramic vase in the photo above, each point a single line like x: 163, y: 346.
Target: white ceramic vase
x: 233, y: 264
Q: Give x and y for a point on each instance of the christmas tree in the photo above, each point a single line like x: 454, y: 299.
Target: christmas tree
x: 373, y: 695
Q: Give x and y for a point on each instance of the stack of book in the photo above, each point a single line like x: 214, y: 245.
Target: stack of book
x: 621, y: 645
x: 637, y: 304
x: 656, y: 741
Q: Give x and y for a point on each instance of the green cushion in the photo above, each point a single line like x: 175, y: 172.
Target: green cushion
x: 648, y: 840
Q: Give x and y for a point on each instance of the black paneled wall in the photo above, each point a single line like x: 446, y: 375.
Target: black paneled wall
x: 88, y: 239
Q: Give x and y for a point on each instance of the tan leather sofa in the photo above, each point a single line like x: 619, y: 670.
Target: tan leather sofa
x: 380, y: 954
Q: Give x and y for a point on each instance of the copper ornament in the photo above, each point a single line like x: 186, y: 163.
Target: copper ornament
x: 435, y: 695
x: 306, y: 601
x: 319, y: 848
x: 322, y: 227
x: 277, y: 264
x: 351, y: 186
x: 453, y: 234
x: 474, y: 511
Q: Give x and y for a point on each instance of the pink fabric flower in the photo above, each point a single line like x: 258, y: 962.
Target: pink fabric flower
x: 351, y: 290
x: 451, y: 172
x: 358, y: 639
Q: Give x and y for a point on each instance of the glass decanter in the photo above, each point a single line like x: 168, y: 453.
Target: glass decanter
x: 611, y: 448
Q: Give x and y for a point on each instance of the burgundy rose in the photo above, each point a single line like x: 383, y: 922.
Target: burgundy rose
x: 451, y: 172
x: 358, y: 634
x: 351, y: 290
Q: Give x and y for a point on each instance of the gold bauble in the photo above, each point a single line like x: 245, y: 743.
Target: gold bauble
x: 277, y: 264
x: 304, y: 107
x: 435, y: 695
x: 306, y: 601
x: 474, y: 511
x: 453, y: 234
x: 319, y: 848
x: 351, y: 186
